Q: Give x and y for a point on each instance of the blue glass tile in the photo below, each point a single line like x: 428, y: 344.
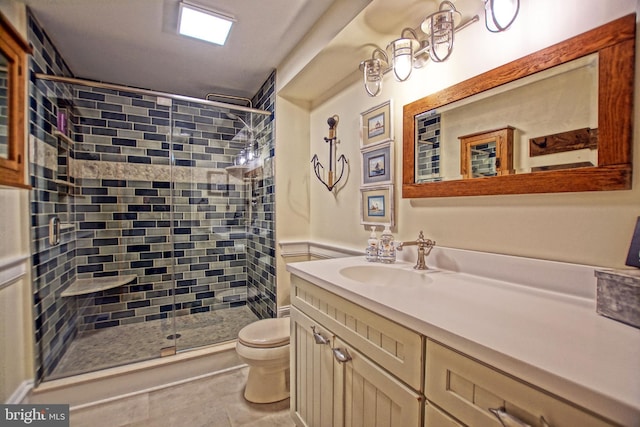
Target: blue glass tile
x: 138, y: 248
x: 139, y: 159
x: 138, y: 304
x: 124, y: 142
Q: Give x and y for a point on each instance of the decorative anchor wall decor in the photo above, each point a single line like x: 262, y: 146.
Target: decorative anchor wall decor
x: 317, y: 166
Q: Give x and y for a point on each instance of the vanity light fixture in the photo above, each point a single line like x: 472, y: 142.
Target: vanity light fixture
x: 433, y: 39
x: 500, y: 14
x: 373, y: 70
x: 201, y: 23
x: 440, y: 28
x: 401, y: 52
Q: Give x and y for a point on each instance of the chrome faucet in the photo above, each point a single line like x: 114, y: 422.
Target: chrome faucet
x: 424, y: 248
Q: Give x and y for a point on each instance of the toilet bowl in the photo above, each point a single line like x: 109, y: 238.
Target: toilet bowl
x: 264, y: 346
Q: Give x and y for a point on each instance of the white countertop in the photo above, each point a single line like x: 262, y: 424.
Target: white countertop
x: 550, y: 337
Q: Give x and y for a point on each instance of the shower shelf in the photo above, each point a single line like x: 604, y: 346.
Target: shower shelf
x: 96, y: 284
x: 244, y: 169
x: 65, y: 186
x: 63, y: 137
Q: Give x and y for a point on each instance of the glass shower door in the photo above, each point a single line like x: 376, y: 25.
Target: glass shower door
x: 211, y: 208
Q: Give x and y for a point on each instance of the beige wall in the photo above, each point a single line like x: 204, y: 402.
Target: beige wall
x: 585, y: 228
x: 16, y: 333
x: 292, y: 197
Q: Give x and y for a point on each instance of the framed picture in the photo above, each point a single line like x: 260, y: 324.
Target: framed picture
x: 376, y: 125
x: 377, y: 164
x: 633, y: 258
x: 376, y: 205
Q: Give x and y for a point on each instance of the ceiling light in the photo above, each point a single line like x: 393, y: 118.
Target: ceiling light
x: 203, y: 24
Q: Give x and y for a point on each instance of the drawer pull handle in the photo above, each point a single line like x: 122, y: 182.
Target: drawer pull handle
x: 508, y: 420
x: 341, y: 356
x: 317, y: 336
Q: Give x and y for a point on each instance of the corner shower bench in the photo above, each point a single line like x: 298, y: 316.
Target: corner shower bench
x: 96, y: 284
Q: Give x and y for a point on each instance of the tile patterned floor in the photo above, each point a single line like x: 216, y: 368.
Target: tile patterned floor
x: 105, y: 348
x: 214, y: 401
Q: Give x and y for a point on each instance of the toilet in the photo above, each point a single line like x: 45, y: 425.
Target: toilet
x: 264, y: 346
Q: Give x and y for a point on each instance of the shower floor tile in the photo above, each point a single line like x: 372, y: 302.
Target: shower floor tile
x: 120, y: 345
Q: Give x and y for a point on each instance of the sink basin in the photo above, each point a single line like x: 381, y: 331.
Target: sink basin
x: 386, y: 275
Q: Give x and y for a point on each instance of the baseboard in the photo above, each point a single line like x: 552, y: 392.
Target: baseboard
x: 12, y: 269
x: 20, y: 394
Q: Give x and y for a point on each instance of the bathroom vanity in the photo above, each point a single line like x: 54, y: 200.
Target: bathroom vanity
x: 387, y: 345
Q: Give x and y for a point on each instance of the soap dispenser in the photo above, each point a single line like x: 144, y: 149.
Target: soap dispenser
x: 372, y: 246
x: 387, y: 248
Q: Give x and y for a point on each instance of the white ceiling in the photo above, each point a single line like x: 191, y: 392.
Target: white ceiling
x: 135, y: 42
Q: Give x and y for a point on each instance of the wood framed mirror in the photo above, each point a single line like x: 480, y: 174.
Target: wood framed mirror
x: 608, y: 50
x: 13, y: 53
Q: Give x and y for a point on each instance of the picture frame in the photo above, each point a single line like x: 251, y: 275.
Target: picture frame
x: 633, y: 257
x: 377, y: 206
x: 376, y: 125
x: 377, y: 165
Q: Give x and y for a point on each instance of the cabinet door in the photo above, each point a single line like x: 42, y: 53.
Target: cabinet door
x: 373, y: 398
x: 312, y: 374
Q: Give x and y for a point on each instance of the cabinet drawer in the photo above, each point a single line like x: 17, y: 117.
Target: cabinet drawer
x: 433, y: 417
x: 466, y: 389
x: 385, y: 342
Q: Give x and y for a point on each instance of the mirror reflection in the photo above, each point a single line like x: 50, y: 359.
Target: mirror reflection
x: 4, y: 106
x: 544, y: 121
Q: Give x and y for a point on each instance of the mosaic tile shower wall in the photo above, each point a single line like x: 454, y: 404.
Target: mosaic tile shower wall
x: 261, y: 286
x: 140, y: 216
x: 53, y: 266
x: 149, y: 198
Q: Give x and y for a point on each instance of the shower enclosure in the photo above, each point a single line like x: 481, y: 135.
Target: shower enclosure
x: 152, y: 223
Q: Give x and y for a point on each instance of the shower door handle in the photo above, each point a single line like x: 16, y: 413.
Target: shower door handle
x: 54, y: 231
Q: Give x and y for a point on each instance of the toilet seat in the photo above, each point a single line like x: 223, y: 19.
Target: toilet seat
x: 266, y: 333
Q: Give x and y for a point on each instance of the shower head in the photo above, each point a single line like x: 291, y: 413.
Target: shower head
x: 236, y: 117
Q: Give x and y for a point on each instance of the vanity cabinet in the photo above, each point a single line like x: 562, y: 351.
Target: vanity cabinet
x: 333, y: 383
x: 467, y: 388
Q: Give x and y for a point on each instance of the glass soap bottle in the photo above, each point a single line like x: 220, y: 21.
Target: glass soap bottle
x: 372, y: 246
x: 386, y: 247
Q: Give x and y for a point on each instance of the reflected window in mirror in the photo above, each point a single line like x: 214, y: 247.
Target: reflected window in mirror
x: 4, y: 106
x: 570, y: 109
x: 13, y: 69
x: 428, y: 147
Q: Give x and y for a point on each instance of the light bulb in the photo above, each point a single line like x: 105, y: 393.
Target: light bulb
x: 500, y: 14
x: 241, y: 158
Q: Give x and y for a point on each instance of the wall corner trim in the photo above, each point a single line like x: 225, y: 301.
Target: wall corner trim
x: 315, y: 249
x: 12, y: 269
